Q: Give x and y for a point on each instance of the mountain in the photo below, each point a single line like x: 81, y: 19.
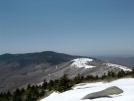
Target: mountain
x: 85, y: 67
x: 19, y: 70
x: 128, y: 61
x: 50, y: 57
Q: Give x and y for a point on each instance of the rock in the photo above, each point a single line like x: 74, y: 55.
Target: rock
x: 104, y: 93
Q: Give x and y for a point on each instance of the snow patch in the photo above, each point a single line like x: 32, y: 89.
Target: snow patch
x: 118, y: 66
x: 127, y: 85
x: 82, y: 62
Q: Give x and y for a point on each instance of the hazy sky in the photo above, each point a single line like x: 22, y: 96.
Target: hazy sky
x: 80, y: 27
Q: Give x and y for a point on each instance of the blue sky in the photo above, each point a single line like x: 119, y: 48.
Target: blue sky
x: 79, y: 27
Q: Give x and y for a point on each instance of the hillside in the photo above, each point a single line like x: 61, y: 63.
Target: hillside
x: 19, y: 70
x: 129, y: 61
x: 50, y: 57
x: 85, y: 67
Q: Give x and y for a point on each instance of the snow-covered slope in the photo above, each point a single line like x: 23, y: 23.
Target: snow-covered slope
x: 82, y: 62
x: 84, y: 67
x: 85, y: 62
x: 124, y: 68
x: 78, y: 92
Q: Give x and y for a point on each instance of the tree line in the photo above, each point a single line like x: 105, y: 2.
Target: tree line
x: 34, y: 92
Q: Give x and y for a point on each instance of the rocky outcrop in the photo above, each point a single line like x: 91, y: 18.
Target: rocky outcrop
x: 104, y: 93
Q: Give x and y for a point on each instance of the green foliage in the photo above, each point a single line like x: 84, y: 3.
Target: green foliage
x: 42, y: 93
x: 113, y: 74
x: 89, y: 78
x: 133, y: 72
x: 64, y: 84
x: 55, y: 86
x: 5, y: 96
x: 22, y: 91
x: 103, y: 77
x: 28, y: 87
x: 45, y: 84
x: 121, y: 74
x: 50, y: 85
x: 32, y: 94
x: 77, y: 79
x: 109, y: 75
x: 17, y: 95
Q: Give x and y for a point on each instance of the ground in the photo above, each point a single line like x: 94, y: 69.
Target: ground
x: 80, y: 90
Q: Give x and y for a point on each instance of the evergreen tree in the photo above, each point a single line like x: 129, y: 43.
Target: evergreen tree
x: 64, y: 84
x: 89, y: 78
x: 96, y: 77
x: 3, y: 97
x: 82, y: 78
x: 42, y: 93
x: 121, y: 74
x: 133, y: 72
x: 103, y: 76
x: 22, y: 91
x: 109, y: 74
x: 32, y: 94
x: 55, y: 85
x: 77, y: 79
x: 45, y: 84
x: 8, y: 95
x: 17, y: 95
x: 28, y: 86
x: 113, y: 74
x: 50, y: 85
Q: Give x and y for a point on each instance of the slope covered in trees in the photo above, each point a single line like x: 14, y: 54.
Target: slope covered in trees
x: 34, y: 92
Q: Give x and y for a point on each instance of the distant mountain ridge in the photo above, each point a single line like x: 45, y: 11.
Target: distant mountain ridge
x: 50, y: 57
x: 128, y: 61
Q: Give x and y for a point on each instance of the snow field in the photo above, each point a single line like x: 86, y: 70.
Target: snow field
x: 81, y: 90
